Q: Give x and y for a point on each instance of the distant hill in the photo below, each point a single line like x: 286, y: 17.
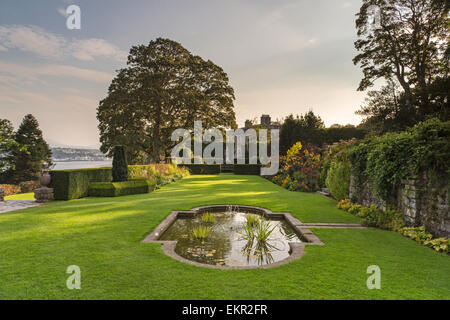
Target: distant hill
x: 72, y: 154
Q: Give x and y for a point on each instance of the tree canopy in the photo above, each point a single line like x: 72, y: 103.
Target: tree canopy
x: 410, y: 51
x: 164, y: 87
x: 28, y: 161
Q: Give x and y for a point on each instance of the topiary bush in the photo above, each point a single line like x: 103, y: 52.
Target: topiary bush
x: 74, y: 184
x: 118, y: 189
x: 120, y: 166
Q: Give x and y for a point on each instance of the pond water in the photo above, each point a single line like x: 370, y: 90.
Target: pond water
x: 226, y: 245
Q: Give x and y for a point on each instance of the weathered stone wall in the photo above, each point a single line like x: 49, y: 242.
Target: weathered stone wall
x: 423, y: 200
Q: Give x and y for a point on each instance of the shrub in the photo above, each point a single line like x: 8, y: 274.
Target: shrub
x: 420, y: 235
x: 74, y: 184
x: 10, y: 189
x: 300, y: 171
x: 117, y: 189
x: 161, y: 173
x: 390, y: 219
x: 338, y: 179
x: 202, y: 168
x: 250, y: 169
x: 29, y: 186
x: 120, y: 166
x: 354, y: 209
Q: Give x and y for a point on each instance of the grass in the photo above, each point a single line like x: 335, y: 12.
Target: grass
x: 21, y: 196
x: 102, y: 236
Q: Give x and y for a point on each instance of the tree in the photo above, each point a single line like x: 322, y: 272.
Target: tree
x: 163, y: 88
x: 7, y: 146
x: 119, y: 165
x: 408, y: 48
x: 28, y: 163
x: 307, y: 128
x: 386, y: 110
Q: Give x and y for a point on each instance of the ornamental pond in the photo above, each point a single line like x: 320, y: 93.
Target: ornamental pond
x: 233, y: 238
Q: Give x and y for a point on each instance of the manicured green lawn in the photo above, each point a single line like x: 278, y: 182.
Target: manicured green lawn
x: 22, y: 196
x: 102, y: 237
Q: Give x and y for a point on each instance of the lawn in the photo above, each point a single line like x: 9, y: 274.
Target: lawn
x: 102, y: 236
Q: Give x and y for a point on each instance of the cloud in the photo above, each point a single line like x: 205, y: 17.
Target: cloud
x: 62, y: 12
x: 17, y: 75
x: 346, y: 5
x: 87, y: 50
x: 32, y: 39
x: 48, y: 45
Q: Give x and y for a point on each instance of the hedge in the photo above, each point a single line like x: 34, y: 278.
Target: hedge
x: 202, y: 168
x: 117, y: 189
x: 250, y: 169
x: 74, y: 184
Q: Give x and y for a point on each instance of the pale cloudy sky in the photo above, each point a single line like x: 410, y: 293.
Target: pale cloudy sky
x: 281, y: 56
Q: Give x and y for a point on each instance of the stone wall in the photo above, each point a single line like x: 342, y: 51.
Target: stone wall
x: 423, y: 200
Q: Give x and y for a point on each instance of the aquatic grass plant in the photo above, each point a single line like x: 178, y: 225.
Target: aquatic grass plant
x: 263, y: 230
x: 248, y: 232
x: 208, y: 217
x: 201, y: 232
x: 258, y: 229
x: 252, y: 219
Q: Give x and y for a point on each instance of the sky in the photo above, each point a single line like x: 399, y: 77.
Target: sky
x: 282, y: 57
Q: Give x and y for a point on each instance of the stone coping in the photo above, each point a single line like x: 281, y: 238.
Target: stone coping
x: 297, y: 249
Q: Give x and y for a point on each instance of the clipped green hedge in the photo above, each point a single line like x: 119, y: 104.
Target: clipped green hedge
x: 202, y: 168
x: 249, y: 169
x: 118, y: 189
x: 74, y: 184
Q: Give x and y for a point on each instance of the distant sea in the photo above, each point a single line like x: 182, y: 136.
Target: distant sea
x: 66, y: 165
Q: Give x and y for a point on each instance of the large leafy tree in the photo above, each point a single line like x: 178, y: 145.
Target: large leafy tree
x: 29, y: 162
x: 7, y: 146
x: 164, y: 87
x: 407, y: 48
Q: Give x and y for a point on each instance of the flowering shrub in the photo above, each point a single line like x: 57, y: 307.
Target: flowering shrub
x: 11, y: 189
x: 392, y: 219
x: 300, y: 170
x: 422, y: 236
